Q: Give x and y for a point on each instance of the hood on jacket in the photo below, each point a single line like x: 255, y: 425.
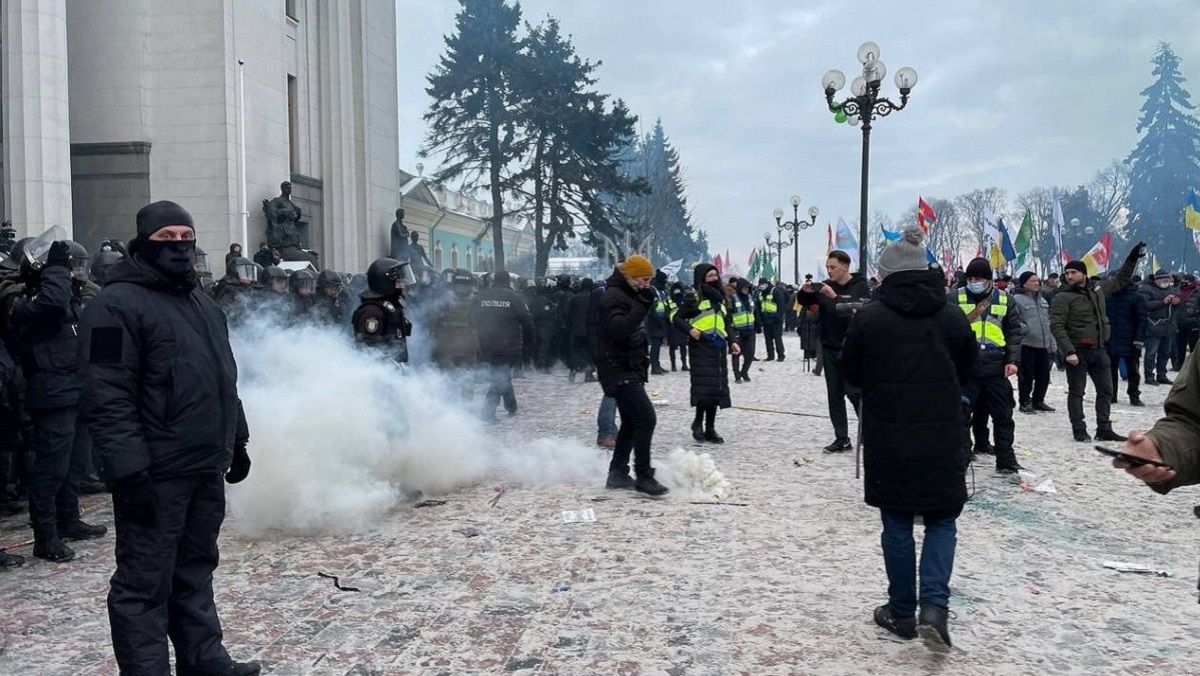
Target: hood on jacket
x: 915, y: 293
x: 617, y: 279
x: 700, y: 272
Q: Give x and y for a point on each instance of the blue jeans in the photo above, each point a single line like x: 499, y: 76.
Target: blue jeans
x: 606, y: 418
x: 1158, y: 353
x: 937, y: 558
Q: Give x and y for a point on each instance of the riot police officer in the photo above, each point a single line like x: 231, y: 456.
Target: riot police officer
x: 379, y: 320
x: 504, y: 326
x: 329, y: 306
x: 233, y: 291
x: 301, y: 287
x: 101, y: 265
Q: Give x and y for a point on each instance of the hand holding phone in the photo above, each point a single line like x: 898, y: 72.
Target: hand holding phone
x: 1133, y: 460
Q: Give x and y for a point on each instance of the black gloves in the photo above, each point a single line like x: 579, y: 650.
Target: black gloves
x: 135, y: 500
x: 59, y: 254
x: 241, y: 464
x: 647, y: 296
x: 1139, y: 250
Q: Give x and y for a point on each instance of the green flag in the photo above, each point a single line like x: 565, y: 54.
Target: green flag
x: 1025, y: 235
x: 756, y: 265
x: 768, y: 270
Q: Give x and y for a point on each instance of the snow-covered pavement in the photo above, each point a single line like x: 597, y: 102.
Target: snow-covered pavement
x: 779, y: 578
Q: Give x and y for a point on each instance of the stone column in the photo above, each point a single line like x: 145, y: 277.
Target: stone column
x: 37, y: 141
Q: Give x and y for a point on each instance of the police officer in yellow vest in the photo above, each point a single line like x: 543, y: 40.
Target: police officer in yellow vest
x: 743, y: 317
x: 998, y: 331
x: 772, y: 301
x: 704, y: 317
x: 657, y: 322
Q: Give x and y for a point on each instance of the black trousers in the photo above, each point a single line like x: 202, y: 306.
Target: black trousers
x: 773, y: 337
x: 656, y: 353
x: 683, y: 355
x: 499, y: 373
x: 638, y: 421
x: 53, y: 500
x: 163, y: 586
x: 1092, y: 364
x: 1034, y: 375
x: 741, y: 364
x: 992, y: 397
x: 1131, y: 368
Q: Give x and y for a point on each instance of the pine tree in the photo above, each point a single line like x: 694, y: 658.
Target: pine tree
x: 1165, y: 165
x: 475, y: 106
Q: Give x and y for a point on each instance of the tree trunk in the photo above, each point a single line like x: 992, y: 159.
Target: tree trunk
x: 541, y: 248
x: 495, y: 162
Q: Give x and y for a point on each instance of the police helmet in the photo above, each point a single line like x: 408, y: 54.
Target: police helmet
x: 79, y: 260
x: 101, y: 265
x: 383, y: 274
x: 302, y: 280
x: 13, y: 262
x: 330, y: 278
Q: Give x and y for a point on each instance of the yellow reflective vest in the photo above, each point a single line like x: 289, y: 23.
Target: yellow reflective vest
x: 743, y: 313
x: 711, y: 319
x: 989, y: 326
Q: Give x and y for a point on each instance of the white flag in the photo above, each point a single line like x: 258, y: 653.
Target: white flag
x: 672, y: 268
x: 1058, y: 222
x: 990, y: 231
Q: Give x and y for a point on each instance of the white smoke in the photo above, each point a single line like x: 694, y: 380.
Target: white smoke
x: 340, y: 435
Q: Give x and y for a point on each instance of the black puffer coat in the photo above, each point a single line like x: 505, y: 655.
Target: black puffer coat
x: 911, y: 351
x: 709, y: 363
x: 45, y: 322
x: 622, y: 348
x: 1126, y: 309
x: 159, y: 377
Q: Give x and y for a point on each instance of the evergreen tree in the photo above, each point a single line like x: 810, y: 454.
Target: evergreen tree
x: 1165, y: 165
x: 473, y: 116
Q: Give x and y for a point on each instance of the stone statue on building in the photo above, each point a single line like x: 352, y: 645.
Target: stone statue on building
x: 416, y: 254
x: 399, y: 249
x: 284, y: 224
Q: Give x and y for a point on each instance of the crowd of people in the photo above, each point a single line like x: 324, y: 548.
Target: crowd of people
x: 118, y: 376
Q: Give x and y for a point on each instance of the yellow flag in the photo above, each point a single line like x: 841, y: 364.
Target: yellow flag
x: 995, y: 258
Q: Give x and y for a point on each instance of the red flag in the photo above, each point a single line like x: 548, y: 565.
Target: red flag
x: 1102, y: 259
x: 1066, y: 257
x: 717, y: 263
x: 828, y: 237
x: 925, y: 210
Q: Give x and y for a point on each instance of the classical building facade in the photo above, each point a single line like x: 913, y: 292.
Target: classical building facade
x: 110, y: 104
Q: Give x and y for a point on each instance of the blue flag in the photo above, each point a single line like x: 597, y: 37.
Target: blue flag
x: 1006, y: 245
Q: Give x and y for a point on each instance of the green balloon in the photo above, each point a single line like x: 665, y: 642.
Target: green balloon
x: 840, y: 118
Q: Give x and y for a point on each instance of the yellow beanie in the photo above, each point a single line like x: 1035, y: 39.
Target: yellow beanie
x: 637, y: 266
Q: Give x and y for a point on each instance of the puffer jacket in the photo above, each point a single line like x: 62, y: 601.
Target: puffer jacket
x: 709, y: 361
x: 45, y: 323
x: 622, y: 347
x: 159, y: 377
x: 1034, y: 312
x: 1160, y: 316
x: 1079, y: 314
x: 1127, y: 321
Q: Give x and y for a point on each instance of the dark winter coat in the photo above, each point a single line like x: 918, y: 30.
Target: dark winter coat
x: 833, y: 326
x: 709, y: 362
x: 44, y: 325
x: 1079, y: 314
x: 675, y: 337
x: 1160, y: 316
x: 991, y: 361
x: 502, y: 322
x: 911, y: 352
x: 656, y: 326
x: 1127, y: 321
x: 578, y: 310
x: 622, y: 347
x: 776, y: 294
x: 159, y: 377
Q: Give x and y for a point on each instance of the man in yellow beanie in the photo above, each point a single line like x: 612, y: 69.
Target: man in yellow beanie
x: 622, y: 366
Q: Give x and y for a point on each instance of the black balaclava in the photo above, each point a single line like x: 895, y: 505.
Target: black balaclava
x: 176, y: 258
x: 709, y: 290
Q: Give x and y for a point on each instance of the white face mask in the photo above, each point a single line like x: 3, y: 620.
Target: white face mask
x: 1164, y: 285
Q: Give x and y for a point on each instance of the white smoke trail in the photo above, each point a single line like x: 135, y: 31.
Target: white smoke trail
x: 340, y: 435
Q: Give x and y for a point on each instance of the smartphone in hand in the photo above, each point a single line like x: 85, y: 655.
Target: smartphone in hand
x: 1132, y: 459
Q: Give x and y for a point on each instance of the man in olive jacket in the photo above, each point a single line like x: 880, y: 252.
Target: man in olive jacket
x: 1079, y: 322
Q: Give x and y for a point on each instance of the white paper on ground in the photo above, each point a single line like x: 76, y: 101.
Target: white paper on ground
x: 1125, y: 567
x: 578, y: 515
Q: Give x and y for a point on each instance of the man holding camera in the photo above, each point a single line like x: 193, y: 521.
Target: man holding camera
x: 836, y: 299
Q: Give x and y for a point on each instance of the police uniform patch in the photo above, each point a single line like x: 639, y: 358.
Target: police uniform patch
x: 388, y: 306
x: 372, y: 325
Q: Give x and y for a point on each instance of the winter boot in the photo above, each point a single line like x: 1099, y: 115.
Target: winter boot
x: 229, y: 668
x: 905, y: 628
x: 1106, y: 433
x: 1135, y: 400
x: 737, y: 379
x: 618, y: 479
x: 52, y: 548
x: 10, y: 560
x: 647, y: 484
x: 1027, y: 408
x: 78, y: 530
x: 1041, y: 406
x: 1082, y: 436
x: 712, y: 437
x: 1164, y: 381
x: 931, y: 625
x: 658, y: 371
x: 697, y: 431
x: 746, y: 375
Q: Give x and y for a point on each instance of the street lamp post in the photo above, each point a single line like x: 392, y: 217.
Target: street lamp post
x: 863, y: 106
x: 795, y: 226
x: 779, y: 245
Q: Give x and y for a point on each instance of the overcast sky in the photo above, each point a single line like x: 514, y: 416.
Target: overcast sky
x: 1012, y: 93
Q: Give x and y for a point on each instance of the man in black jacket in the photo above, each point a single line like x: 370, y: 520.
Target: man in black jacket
x: 44, y: 324
x: 504, y: 326
x: 772, y: 301
x: 381, y: 319
x: 581, y: 335
x: 911, y: 353
x: 160, y: 396
x: 836, y: 299
x: 657, y: 322
x: 622, y: 364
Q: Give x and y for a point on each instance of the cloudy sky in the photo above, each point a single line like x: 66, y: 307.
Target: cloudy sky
x: 1013, y: 93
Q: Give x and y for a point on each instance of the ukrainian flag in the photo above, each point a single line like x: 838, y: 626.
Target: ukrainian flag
x: 1191, y: 212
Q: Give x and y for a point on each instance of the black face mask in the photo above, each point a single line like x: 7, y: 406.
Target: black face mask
x: 174, y: 258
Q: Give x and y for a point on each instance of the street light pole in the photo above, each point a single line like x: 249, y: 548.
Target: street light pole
x: 795, y: 226
x: 865, y: 105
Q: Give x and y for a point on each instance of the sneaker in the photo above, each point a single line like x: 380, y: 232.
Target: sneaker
x: 607, y: 442
x: 78, y: 530
x: 53, y: 549
x: 618, y: 479
x: 648, y: 485
x: 1082, y: 435
x: 839, y: 446
x: 1041, y: 406
x: 10, y: 560
x: 1106, y: 434
x: 712, y: 437
x: 1164, y: 380
x: 1026, y: 408
x: 931, y: 625
x: 1135, y: 400
x: 904, y: 627
x: 697, y: 432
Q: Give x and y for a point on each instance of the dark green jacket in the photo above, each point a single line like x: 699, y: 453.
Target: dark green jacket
x: 1177, y: 434
x: 1078, y: 318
